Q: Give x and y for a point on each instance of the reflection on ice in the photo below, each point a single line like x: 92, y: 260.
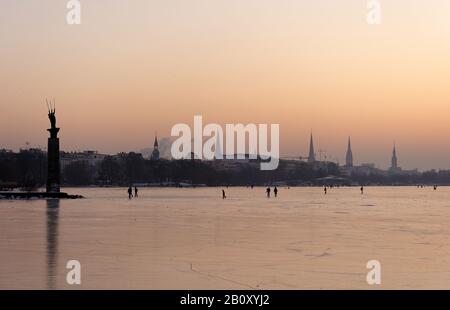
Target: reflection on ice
x: 52, y: 241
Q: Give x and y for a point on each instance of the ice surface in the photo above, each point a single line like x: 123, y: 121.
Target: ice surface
x: 171, y: 238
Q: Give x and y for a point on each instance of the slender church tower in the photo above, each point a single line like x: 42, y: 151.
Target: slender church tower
x: 349, y: 155
x: 394, y: 165
x: 312, y: 156
x: 155, y: 153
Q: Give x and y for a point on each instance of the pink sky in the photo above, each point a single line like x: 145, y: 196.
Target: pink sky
x: 135, y: 67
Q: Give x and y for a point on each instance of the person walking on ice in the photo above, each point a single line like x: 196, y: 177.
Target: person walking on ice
x: 130, y: 193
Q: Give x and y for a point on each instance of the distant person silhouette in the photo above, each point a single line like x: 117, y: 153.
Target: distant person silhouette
x: 435, y: 187
x: 275, y: 191
x: 135, y: 191
x: 362, y: 190
x: 325, y: 190
x: 130, y: 193
x: 268, y: 192
x: 251, y: 186
x: 223, y: 194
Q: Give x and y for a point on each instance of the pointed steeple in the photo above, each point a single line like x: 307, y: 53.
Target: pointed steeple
x: 349, y: 155
x: 312, y: 156
x: 155, y: 145
x: 394, y: 159
x: 155, y: 153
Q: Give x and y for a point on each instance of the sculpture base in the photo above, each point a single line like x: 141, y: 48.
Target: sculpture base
x: 53, y: 188
x: 53, y: 174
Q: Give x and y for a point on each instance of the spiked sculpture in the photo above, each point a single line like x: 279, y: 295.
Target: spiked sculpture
x: 53, y: 176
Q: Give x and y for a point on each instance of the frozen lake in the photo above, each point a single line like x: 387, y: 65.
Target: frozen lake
x: 170, y: 238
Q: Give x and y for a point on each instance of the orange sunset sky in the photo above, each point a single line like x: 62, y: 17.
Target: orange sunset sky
x: 139, y: 66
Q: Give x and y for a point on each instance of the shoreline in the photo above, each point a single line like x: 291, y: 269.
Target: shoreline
x: 36, y: 195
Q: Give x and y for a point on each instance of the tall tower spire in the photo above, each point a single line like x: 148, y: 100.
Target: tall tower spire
x: 394, y: 159
x: 312, y: 156
x: 155, y: 153
x: 349, y: 155
x: 155, y: 144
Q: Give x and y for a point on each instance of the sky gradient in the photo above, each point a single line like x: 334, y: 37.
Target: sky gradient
x: 136, y: 67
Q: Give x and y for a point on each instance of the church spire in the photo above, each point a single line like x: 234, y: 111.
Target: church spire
x: 312, y: 156
x: 155, y: 145
x: 349, y: 155
x: 155, y: 153
x: 394, y: 158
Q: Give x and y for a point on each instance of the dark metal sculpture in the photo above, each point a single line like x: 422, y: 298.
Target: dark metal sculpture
x: 53, y: 176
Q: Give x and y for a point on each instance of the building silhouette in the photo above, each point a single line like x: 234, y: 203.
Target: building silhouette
x: 311, y: 156
x: 349, y: 155
x: 394, y: 163
x: 155, y: 153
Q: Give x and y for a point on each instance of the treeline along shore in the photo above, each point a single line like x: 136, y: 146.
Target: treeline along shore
x: 27, y: 169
